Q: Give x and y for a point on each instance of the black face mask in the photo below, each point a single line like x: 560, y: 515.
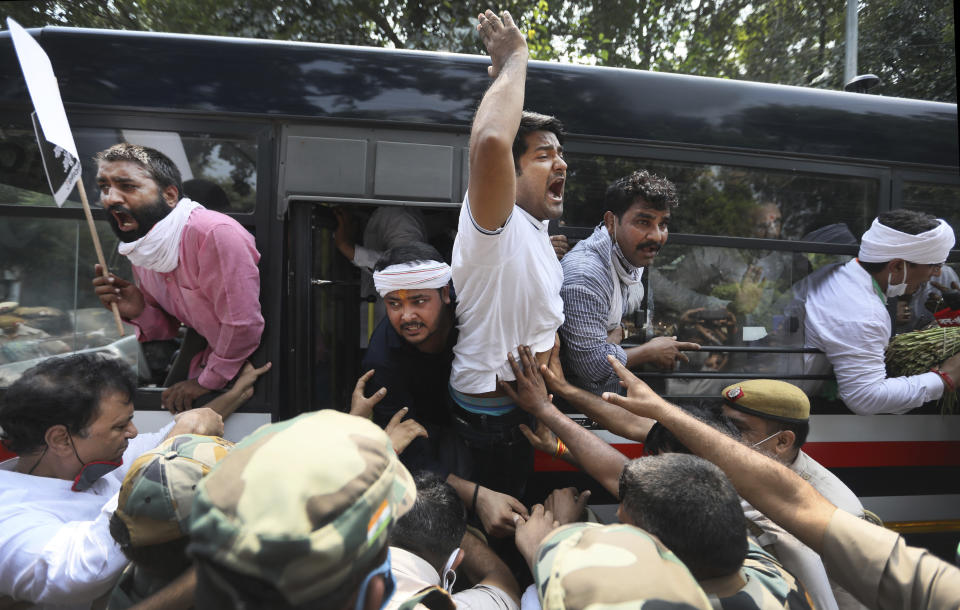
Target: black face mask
x: 91, y: 472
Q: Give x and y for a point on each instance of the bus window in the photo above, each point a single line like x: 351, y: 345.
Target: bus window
x: 47, y: 304
x: 730, y: 297
x: 941, y: 200
x: 728, y: 200
x: 218, y: 171
x: 343, y: 306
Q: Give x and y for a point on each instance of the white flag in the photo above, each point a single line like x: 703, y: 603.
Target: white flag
x: 50, y: 114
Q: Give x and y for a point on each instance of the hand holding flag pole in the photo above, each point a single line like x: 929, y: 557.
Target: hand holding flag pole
x: 62, y: 163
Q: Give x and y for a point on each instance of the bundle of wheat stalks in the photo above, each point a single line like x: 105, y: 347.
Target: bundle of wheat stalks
x: 919, y: 351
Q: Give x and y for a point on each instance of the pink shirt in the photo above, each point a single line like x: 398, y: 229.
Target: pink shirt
x: 214, y: 290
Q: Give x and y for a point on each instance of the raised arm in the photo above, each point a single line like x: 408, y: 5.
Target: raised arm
x: 492, y: 186
x: 613, y: 418
x: 598, y: 459
x: 770, y: 487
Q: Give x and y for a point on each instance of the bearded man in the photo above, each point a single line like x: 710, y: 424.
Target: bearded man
x: 190, y: 265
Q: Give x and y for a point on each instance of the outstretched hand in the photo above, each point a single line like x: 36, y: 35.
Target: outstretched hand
x: 567, y: 504
x: 402, y: 432
x: 361, y: 405
x: 640, y: 399
x: 531, y: 532
x: 502, y: 39
x: 552, y: 371
x: 498, y: 512
x: 531, y: 391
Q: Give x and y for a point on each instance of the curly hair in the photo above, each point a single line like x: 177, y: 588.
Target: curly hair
x: 658, y: 193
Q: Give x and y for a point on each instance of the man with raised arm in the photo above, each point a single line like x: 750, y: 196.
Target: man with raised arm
x: 505, y: 271
x: 872, y: 563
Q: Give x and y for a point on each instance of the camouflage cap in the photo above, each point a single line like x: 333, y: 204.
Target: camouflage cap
x: 304, y: 504
x: 586, y: 565
x: 768, y: 398
x: 158, y: 491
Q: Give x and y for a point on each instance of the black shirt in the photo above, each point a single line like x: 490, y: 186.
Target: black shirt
x: 416, y: 380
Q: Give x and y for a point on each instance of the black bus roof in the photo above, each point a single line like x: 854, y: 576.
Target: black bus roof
x: 208, y: 75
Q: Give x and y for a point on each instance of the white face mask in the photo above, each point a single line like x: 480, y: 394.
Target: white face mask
x: 896, y: 290
x: 449, y: 576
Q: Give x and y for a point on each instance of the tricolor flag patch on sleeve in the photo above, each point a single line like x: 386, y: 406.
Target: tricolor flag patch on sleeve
x: 378, y: 522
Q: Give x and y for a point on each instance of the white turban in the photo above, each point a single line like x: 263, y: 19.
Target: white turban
x: 409, y: 276
x: 882, y: 243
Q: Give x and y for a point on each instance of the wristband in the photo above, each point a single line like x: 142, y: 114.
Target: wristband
x: 946, y: 378
x: 561, y: 449
x: 476, y: 491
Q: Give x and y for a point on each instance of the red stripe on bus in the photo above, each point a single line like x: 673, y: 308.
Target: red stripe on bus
x: 885, y: 453
x: 831, y: 455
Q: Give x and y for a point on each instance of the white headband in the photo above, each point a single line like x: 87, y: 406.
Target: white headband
x: 882, y: 243
x: 407, y: 276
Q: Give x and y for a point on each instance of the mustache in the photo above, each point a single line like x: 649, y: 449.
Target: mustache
x: 649, y: 244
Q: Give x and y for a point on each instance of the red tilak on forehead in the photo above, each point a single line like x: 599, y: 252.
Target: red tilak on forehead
x: 402, y: 294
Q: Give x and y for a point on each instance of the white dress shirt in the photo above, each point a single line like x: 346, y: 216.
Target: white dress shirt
x: 847, y: 319
x: 55, y: 545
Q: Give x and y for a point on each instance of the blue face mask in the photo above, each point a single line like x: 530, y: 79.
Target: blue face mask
x: 390, y: 585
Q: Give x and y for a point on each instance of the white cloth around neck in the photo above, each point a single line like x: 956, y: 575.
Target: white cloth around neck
x: 408, y: 276
x: 882, y: 243
x: 159, y: 249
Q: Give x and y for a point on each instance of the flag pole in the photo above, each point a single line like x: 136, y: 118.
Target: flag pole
x: 96, y: 246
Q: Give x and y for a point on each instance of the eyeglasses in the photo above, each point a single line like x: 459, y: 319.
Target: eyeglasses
x: 389, y: 584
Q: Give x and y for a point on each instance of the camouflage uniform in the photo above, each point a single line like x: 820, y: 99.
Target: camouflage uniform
x: 585, y: 565
x: 306, y: 504
x: 155, y: 501
x: 768, y: 585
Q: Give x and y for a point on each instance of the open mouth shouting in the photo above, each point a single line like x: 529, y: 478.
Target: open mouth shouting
x: 555, y: 189
x: 123, y: 219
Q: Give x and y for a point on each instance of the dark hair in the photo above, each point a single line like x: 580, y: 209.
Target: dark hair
x: 208, y: 193
x: 163, y: 171
x: 659, y: 193
x: 60, y: 391
x: 435, y: 525
x: 166, y: 560
x: 691, y: 506
x: 531, y: 122
x: 660, y: 440
x: 800, y: 429
x: 407, y: 253
x: 220, y: 587
x: 905, y: 221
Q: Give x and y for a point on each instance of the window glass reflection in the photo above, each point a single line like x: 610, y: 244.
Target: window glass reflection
x: 941, y: 200
x: 728, y: 200
x: 218, y: 171
x: 47, y: 304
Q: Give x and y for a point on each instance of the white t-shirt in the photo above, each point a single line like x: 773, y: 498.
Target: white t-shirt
x: 508, y: 294
x: 413, y: 574
x: 55, y: 544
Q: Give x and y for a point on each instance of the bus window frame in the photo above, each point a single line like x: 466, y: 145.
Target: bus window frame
x: 265, y: 229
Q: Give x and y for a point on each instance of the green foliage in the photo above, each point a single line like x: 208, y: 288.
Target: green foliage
x: 909, y: 44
